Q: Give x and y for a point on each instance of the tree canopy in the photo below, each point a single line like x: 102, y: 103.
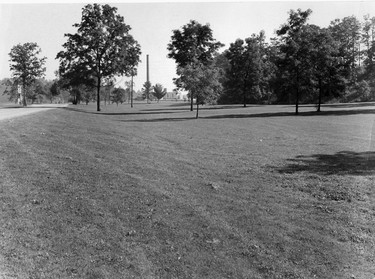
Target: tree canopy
x: 246, y: 68
x: 193, y: 42
x: 26, y: 65
x: 158, y: 91
x: 101, y: 49
x: 294, y: 48
x: 202, y: 81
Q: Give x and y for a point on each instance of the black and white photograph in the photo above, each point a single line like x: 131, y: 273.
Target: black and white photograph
x: 187, y: 139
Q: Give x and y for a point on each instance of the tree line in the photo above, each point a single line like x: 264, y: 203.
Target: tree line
x: 304, y: 63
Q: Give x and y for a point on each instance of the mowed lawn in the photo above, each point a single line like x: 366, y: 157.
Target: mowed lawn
x: 151, y: 192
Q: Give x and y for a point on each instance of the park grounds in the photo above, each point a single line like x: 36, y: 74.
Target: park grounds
x: 152, y: 192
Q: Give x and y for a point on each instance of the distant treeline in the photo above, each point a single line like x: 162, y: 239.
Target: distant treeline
x: 304, y: 63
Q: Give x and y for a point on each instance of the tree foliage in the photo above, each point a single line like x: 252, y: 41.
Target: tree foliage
x: 193, y: 42
x: 368, y: 39
x: 101, y: 49
x: 202, y: 81
x: 244, y: 76
x: 346, y: 33
x: 158, y: 91
x: 147, y: 91
x: 294, y: 48
x: 26, y: 65
x: 118, y: 95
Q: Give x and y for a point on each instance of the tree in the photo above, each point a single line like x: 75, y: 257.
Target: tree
x: 368, y: 38
x: 347, y: 33
x: 294, y: 60
x: 118, y: 95
x: 193, y: 42
x: 159, y: 92
x: 26, y: 65
x: 10, y: 89
x: 101, y: 49
x: 246, y: 67
x: 54, y: 90
x: 39, y: 89
x: 202, y: 81
x: 129, y: 85
x: 87, y: 94
x: 147, y: 90
x: 325, y: 62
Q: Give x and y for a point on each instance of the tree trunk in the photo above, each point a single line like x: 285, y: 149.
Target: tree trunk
x: 131, y: 93
x: 98, y: 95
x: 244, y: 96
x: 196, y: 116
x: 320, y: 95
x: 191, y: 101
x: 297, y: 93
x: 24, y: 94
x: 297, y: 99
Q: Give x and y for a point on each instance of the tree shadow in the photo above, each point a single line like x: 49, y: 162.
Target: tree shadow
x: 305, y: 113
x: 186, y: 107
x: 166, y: 109
x: 246, y: 115
x: 167, y: 119
x: 341, y: 163
x: 120, y: 113
x: 349, y: 105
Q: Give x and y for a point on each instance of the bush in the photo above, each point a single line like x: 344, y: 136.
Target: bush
x: 359, y: 92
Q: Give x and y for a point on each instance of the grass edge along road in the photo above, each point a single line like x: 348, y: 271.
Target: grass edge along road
x: 154, y: 193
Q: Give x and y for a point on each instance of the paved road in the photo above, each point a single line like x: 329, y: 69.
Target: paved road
x: 11, y: 112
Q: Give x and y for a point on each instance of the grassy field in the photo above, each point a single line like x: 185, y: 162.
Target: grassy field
x: 151, y: 192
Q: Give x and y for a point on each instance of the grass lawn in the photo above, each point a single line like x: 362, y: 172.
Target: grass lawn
x: 151, y: 192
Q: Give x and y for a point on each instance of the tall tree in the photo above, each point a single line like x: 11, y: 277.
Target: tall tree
x: 147, y: 90
x: 101, y: 49
x: 26, y: 65
x: 129, y: 90
x: 368, y: 38
x: 54, y: 90
x: 325, y: 62
x: 246, y: 67
x: 294, y: 62
x: 202, y: 81
x: 192, y: 42
x: 346, y: 32
x: 159, y: 92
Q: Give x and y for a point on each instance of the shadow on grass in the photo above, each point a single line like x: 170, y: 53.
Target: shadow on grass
x: 185, y: 107
x: 307, y: 113
x: 259, y: 115
x: 341, y: 163
x: 120, y: 113
x: 245, y: 113
x: 167, y: 119
x: 349, y: 105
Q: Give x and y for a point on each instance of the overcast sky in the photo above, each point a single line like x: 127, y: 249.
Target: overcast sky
x: 152, y: 24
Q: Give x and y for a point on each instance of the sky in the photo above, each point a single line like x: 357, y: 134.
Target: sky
x: 152, y: 24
